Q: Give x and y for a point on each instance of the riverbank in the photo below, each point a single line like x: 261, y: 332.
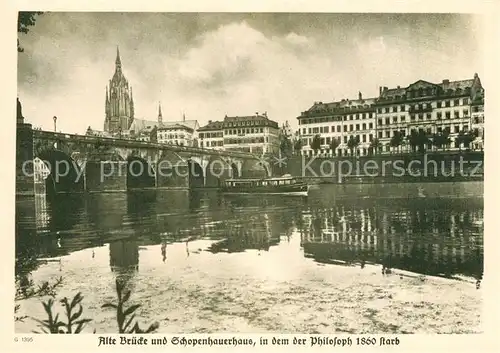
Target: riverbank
x: 267, y: 291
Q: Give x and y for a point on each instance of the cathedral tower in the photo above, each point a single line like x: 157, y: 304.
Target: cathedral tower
x: 119, y: 104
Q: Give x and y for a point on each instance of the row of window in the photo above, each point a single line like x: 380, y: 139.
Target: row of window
x: 171, y: 136
x: 421, y: 92
x: 211, y: 143
x: 453, y: 128
x: 427, y: 116
x: 423, y: 106
x: 233, y: 141
x: 336, y: 118
x: 205, y: 135
x: 251, y: 123
x: 326, y: 129
x: 328, y: 140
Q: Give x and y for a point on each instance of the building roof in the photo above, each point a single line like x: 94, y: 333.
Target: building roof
x: 344, y: 103
x: 140, y: 124
x: 175, y: 126
x: 212, y: 126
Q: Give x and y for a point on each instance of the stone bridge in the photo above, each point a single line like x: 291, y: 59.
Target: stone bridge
x: 95, y: 164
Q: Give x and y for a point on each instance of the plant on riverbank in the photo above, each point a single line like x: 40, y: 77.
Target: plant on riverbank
x: 74, y: 311
x: 27, y: 290
x: 125, y: 316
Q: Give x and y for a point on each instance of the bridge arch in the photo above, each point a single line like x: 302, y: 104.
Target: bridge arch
x: 196, y: 174
x: 217, y: 170
x: 255, y: 168
x: 64, y: 175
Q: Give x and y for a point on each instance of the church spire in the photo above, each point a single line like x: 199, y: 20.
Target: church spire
x: 118, y: 61
x: 160, y: 117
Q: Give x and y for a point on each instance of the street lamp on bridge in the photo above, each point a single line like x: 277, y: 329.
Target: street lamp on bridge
x: 55, y: 123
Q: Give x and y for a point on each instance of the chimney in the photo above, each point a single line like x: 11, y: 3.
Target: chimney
x: 380, y: 90
x: 360, y: 96
x: 386, y: 88
x: 399, y: 87
x: 446, y: 81
x: 265, y: 114
x: 210, y: 121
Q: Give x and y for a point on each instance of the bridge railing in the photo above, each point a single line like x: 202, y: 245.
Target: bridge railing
x: 134, y: 143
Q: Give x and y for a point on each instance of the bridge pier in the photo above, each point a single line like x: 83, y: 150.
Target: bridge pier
x: 105, y: 176
x: 25, y: 182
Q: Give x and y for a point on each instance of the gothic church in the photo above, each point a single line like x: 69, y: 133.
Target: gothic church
x: 119, y: 102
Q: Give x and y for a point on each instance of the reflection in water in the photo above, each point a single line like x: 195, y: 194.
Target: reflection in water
x: 430, y: 236
x: 444, y: 238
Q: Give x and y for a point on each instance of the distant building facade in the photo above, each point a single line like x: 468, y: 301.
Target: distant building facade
x: 449, y: 107
x: 255, y: 134
x: 340, y: 120
x: 119, y: 103
x: 176, y: 134
x: 428, y: 107
x: 212, y: 135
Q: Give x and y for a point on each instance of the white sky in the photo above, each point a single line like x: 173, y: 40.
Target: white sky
x: 209, y: 65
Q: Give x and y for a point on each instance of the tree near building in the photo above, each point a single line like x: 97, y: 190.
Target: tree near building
x: 396, y: 140
x: 297, y: 146
x: 422, y: 140
x: 316, y: 143
x: 353, y: 144
x: 413, y: 140
x: 334, y: 144
x: 465, y: 138
x: 286, y: 147
x: 375, y: 146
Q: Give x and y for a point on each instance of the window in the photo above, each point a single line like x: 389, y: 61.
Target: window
x: 304, y: 131
x: 327, y: 140
x: 448, y: 115
x: 456, y: 114
x: 465, y: 112
x: 380, y: 134
x: 345, y: 139
x: 387, y: 121
x: 447, y: 104
x: 364, y: 138
x: 457, y: 128
x: 402, y: 108
x: 388, y: 133
x: 327, y: 129
x: 379, y: 110
x: 338, y: 128
x: 438, y: 104
x: 370, y: 125
x: 380, y: 121
x: 394, y: 109
x: 412, y: 117
x: 364, y: 126
x: 357, y: 116
x: 357, y: 127
x: 345, y: 128
x: 456, y: 102
x: 351, y: 127
x: 402, y: 118
x: 386, y: 110
x: 420, y: 116
x: 394, y: 119
x: 428, y: 116
x: 465, y: 101
x: 439, y: 115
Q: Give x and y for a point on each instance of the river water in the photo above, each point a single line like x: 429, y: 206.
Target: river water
x: 204, y: 262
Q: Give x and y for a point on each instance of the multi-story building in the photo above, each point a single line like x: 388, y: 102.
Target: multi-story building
x: 340, y: 120
x: 212, y: 135
x: 175, y: 134
x: 254, y: 134
x: 477, y: 119
x: 428, y: 107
